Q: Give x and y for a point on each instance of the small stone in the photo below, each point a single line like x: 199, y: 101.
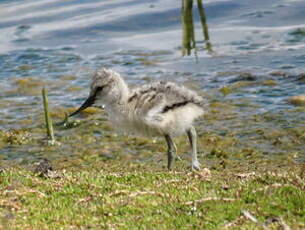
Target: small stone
x: 205, y: 173
x: 225, y: 187
x: 43, y: 167
x: 301, y: 78
x: 270, y: 82
x: 279, y: 73
x: 244, y: 77
x: 298, y: 100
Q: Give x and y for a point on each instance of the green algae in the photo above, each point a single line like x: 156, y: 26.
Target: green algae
x: 15, y: 137
x: 226, y: 90
x: 298, y: 32
x: 27, y: 86
x: 74, y: 89
x: 67, y: 77
x: 147, y: 62
x: 25, y: 67
x: 270, y: 82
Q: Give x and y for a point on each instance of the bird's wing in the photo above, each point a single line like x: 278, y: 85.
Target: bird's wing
x: 161, y: 97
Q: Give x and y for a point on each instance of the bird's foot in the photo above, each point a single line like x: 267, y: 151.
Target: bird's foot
x: 195, y: 165
x: 178, y: 158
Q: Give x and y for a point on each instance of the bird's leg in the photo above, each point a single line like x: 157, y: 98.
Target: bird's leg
x: 170, y: 151
x: 176, y: 152
x: 192, y: 136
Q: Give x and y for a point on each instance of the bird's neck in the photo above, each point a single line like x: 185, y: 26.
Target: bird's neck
x: 118, y: 101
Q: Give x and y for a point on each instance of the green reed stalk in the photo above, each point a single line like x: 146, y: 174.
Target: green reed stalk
x: 49, y: 126
x: 188, y: 38
x: 204, y: 25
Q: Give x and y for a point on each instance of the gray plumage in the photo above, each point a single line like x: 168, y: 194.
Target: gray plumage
x: 157, y: 109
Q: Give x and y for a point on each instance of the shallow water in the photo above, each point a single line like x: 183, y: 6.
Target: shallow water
x: 258, y: 59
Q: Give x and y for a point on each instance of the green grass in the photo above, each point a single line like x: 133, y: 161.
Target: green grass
x: 110, y: 194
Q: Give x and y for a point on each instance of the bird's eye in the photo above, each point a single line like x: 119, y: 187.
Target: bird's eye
x: 100, y: 88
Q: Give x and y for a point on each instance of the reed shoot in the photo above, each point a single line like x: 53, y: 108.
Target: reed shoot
x: 49, y: 126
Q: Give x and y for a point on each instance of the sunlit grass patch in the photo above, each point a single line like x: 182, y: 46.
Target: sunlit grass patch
x: 137, y: 196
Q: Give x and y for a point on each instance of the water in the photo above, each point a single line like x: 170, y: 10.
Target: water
x: 59, y: 43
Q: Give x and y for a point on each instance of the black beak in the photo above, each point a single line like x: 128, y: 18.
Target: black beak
x: 90, y: 100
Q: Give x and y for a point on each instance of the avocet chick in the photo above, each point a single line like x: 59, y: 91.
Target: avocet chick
x: 156, y: 109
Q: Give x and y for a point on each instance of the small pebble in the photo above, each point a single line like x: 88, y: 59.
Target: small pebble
x: 298, y: 100
x: 43, y: 167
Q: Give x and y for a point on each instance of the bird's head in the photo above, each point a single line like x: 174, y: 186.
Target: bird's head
x: 106, y: 87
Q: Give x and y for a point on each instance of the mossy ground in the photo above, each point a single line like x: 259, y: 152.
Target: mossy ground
x: 120, y: 194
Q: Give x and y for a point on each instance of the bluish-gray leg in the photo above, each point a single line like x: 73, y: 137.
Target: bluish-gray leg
x: 170, y: 151
x: 192, y: 136
x: 176, y: 152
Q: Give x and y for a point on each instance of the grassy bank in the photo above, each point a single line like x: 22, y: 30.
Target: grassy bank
x: 120, y: 194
